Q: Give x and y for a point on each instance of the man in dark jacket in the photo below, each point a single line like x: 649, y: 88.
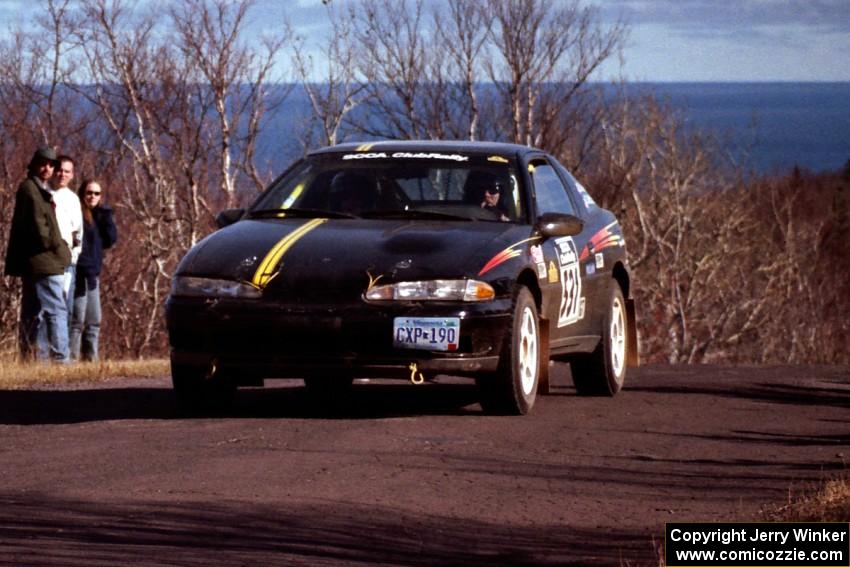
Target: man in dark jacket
x: 38, y: 255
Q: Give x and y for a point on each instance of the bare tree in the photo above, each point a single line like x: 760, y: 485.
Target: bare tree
x: 183, y: 117
x: 802, y: 247
x: 463, y: 33
x: 543, y: 55
x: 393, y: 60
x: 209, y: 36
x: 140, y: 93
x: 38, y: 109
x: 424, y: 77
x: 340, y: 90
x: 677, y: 207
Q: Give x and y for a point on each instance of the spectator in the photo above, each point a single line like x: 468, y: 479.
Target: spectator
x: 99, y: 233
x: 37, y: 254
x: 69, y: 215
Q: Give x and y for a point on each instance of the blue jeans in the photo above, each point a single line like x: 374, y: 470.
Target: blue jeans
x: 43, y: 329
x: 85, y: 322
x: 70, y: 280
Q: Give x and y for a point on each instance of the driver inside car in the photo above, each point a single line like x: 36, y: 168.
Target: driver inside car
x: 490, y: 199
x: 351, y: 192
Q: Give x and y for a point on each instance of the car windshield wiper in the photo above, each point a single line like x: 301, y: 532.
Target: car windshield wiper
x: 300, y: 213
x: 415, y: 214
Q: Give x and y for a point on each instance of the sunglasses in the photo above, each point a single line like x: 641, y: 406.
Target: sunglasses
x: 493, y: 190
x: 95, y: 193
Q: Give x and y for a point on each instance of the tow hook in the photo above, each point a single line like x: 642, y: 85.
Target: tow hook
x: 416, y: 377
x: 212, y: 369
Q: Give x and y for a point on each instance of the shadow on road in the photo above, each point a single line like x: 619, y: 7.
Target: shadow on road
x: 837, y: 394
x: 36, y: 529
x: 838, y: 440
x: 29, y: 407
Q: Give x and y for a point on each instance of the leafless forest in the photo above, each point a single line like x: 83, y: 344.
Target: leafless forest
x: 165, y: 104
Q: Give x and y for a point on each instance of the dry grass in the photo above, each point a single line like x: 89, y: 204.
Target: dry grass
x: 829, y: 503
x: 17, y: 376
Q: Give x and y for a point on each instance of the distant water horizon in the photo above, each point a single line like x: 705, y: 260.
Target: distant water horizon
x: 769, y: 126
x: 765, y: 127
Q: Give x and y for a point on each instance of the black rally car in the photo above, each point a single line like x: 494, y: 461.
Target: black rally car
x: 408, y: 260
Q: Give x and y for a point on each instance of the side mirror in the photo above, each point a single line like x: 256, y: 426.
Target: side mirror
x: 228, y: 217
x: 558, y: 224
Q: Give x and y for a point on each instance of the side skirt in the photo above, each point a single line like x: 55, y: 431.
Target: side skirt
x: 578, y: 344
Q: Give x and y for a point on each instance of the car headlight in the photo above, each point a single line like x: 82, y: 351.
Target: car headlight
x: 432, y: 290
x: 208, y: 287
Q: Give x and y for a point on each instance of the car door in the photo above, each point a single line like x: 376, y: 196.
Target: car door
x: 565, y: 287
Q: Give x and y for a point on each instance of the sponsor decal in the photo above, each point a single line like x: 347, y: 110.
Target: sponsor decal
x: 541, y: 270
x: 375, y: 155
x: 498, y: 159
x: 571, y: 300
x: 511, y: 251
x: 268, y: 268
x: 536, y: 252
x: 372, y: 280
x: 599, y: 258
x: 585, y: 196
x: 553, y: 272
x: 603, y: 239
x: 425, y: 155
x: 406, y: 155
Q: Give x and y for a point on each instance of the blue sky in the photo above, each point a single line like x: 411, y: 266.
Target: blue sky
x: 699, y: 40
x: 670, y: 40
x: 738, y: 40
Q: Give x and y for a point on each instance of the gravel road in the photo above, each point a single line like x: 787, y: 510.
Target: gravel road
x: 110, y: 474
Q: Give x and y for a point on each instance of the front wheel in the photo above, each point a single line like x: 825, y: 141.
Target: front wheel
x: 513, y: 389
x: 602, y: 372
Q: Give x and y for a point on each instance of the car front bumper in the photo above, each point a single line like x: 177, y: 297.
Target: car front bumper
x: 250, y: 340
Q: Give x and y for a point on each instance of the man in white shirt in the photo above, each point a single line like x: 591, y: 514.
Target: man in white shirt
x: 69, y: 216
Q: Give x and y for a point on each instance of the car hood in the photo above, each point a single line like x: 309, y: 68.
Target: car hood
x: 339, y: 257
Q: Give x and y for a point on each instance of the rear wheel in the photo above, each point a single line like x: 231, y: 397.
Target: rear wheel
x: 513, y: 389
x: 198, y: 392
x: 602, y: 372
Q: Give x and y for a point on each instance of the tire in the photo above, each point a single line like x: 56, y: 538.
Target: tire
x: 603, y: 372
x: 513, y: 389
x: 196, y: 393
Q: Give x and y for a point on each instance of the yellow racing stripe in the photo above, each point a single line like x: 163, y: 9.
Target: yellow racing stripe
x: 268, y: 267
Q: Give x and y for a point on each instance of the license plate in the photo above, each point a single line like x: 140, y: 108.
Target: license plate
x: 429, y: 333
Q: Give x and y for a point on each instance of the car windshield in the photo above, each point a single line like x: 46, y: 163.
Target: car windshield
x: 397, y: 185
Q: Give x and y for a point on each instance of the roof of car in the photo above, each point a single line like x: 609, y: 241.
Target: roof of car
x: 427, y: 146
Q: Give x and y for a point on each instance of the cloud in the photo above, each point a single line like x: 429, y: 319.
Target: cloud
x: 707, y: 16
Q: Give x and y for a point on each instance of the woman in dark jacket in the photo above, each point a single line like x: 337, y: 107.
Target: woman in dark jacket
x: 99, y: 233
